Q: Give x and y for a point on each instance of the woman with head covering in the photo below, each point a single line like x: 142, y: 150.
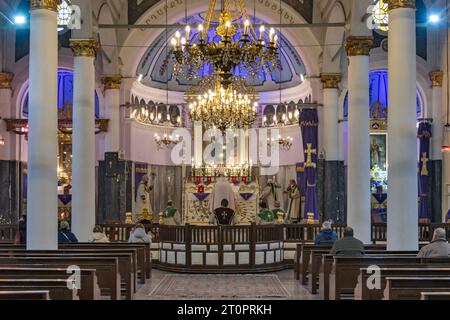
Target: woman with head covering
x: 438, y: 247
x: 98, y: 235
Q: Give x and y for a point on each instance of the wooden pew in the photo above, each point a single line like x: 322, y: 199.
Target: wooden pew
x: 362, y: 292
x: 89, y: 288
x: 107, y: 269
x: 345, y: 270
x: 57, y: 287
x: 411, y: 288
x: 25, y: 295
x: 125, y: 261
x: 435, y: 296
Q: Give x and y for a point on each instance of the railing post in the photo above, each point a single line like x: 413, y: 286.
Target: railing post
x: 187, y: 242
x: 253, y: 244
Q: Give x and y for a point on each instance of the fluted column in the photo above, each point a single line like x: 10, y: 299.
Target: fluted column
x: 198, y: 143
x: 331, y: 186
x: 6, y: 150
x: 358, y: 196
x: 112, y: 106
x: 42, y: 205
x: 402, y: 198
x: 83, y: 138
x: 436, y: 78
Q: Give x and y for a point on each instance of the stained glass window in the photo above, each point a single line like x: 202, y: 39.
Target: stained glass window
x: 64, y: 14
x: 380, y: 15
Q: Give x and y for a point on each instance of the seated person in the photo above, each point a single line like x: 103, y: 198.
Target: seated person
x: 348, y: 245
x: 438, y: 247
x: 64, y: 233
x: 138, y: 235
x: 171, y: 215
x: 98, y: 235
x: 278, y: 211
x: 326, y: 235
x: 223, y: 216
x: 265, y: 216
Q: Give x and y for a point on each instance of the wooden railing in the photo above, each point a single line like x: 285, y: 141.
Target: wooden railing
x: 240, y: 233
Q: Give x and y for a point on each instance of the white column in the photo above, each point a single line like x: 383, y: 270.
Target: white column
x: 6, y: 150
x: 330, y: 83
x: 198, y: 143
x: 402, y: 220
x: 42, y: 205
x: 358, y: 196
x: 436, y: 78
x: 341, y: 140
x: 112, y: 107
x: 83, y: 138
x: 242, y: 146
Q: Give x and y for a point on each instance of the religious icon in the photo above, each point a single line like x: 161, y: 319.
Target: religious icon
x: 378, y: 151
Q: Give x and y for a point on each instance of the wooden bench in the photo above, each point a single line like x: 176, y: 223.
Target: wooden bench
x: 126, y: 266
x: 89, y: 288
x: 411, y: 288
x: 107, y: 269
x: 435, y: 296
x: 363, y: 292
x: 57, y: 288
x: 25, y: 295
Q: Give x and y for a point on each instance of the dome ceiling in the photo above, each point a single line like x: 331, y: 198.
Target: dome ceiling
x: 156, y: 64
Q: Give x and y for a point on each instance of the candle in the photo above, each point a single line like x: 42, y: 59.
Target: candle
x: 200, y: 31
x: 271, y: 33
x: 261, y: 32
x: 188, y: 32
x: 246, y: 25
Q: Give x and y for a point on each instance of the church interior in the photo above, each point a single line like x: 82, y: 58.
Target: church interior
x: 224, y: 149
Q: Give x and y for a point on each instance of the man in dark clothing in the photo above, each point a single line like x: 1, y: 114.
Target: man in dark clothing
x: 23, y: 229
x: 348, y: 245
x: 64, y: 234
x: 223, y: 215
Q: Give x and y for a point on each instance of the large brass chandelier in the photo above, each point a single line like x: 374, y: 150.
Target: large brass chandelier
x: 251, y: 50
x: 223, y: 107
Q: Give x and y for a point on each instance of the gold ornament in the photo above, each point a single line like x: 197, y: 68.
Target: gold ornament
x: 5, y: 80
x: 358, y: 46
x: 84, y: 47
x: 401, y: 4
x: 330, y: 80
x: 145, y: 215
x: 280, y: 217
x: 45, y: 4
x: 128, y: 218
x: 436, y: 78
x: 161, y: 218
x: 112, y: 82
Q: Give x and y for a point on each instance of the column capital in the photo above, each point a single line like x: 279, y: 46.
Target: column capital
x: 84, y: 47
x: 51, y: 5
x: 112, y: 81
x: 358, y: 45
x: 6, y: 79
x: 330, y: 80
x: 401, y: 4
x: 436, y: 78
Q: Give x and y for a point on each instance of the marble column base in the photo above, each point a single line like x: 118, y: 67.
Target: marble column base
x: 9, y: 191
x: 435, y: 200
x: 114, y: 191
x: 331, y: 190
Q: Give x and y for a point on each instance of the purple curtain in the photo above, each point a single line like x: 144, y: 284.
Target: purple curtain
x: 424, y: 135
x: 309, y: 125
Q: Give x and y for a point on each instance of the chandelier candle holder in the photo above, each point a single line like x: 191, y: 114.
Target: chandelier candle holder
x: 143, y: 116
x: 222, y: 170
x: 166, y: 141
x: 231, y: 107
x: 235, y: 48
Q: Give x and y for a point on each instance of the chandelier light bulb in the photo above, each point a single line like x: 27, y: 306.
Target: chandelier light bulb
x: 188, y: 31
x: 261, y: 32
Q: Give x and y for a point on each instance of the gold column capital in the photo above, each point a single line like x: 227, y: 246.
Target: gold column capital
x: 6, y: 79
x: 84, y: 47
x: 45, y: 4
x: 358, y: 46
x: 112, y: 81
x: 401, y: 4
x: 436, y: 78
x: 330, y: 80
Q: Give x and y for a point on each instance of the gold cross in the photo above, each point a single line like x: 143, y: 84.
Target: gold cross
x: 424, y: 160
x: 309, y: 152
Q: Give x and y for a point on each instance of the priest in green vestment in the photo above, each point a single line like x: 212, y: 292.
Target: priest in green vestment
x: 171, y: 215
x: 265, y: 216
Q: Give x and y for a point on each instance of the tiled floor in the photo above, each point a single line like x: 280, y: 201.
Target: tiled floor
x: 286, y: 277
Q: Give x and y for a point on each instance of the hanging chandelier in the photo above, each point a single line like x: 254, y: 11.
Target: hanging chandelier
x: 217, y: 106
x: 254, y: 52
x: 284, y: 143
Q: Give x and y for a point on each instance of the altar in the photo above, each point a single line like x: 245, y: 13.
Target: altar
x: 197, y: 197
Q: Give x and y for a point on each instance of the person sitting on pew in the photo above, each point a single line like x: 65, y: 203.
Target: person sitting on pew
x: 223, y: 215
x: 326, y: 235
x: 138, y: 235
x: 21, y: 237
x: 438, y: 247
x: 64, y: 234
x: 98, y: 235
x: 348, y: 245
